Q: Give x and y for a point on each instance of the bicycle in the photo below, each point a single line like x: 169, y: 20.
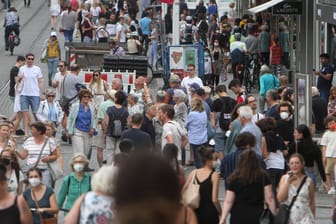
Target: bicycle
x: 254, y: 70
x: 13, y: 41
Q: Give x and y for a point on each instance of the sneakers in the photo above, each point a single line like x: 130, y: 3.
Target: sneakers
x: 332, y: 190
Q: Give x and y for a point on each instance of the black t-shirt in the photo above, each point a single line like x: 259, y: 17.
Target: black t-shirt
x: 13, y: 73
x: 147, y: 126
x: 218, y: 103
x: 142, y: 141
x: 323, y: 83
x: 249, y: 198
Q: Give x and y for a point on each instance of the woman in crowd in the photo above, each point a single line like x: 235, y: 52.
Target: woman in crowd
x: 307, y: 148
x: 76, y: 184
x: 98, y: 203
x: 196, y: 124
x: 332, y: 101
x: 248, y: 187
x: 180, y: 107
x: 81, y: 122
x: 68, y: 22
x: 98, y: 88
x: 14, y: 174
x: 102, y: 35
x: 5, y: 140
x: 234, y: 131
x: 209, y: 208
x: 32, y: 148
x: 169, y: 153
x: 40, y: 198
x: 303, y: 209
x: 154, y: 198
x: 218, y: 57
x: 50, y: 109
x: 273, y: 149
x: 13, y: 208
x: 267, y: 81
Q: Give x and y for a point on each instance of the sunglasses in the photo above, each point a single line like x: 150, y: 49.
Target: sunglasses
x: 51, y: 95
x: 31, y: 59
x: 96, y: 74
x: 86, y: 96
x: 190, y: 69
x: 252, y: 101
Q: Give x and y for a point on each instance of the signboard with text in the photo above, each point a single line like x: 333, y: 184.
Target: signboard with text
x: 287, y: 8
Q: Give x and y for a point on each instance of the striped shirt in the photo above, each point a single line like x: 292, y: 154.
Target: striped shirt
x: 34, y: 150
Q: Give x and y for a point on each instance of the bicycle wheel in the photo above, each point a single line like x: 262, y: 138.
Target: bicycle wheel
x: 247, y: 81
x: 11, y: 46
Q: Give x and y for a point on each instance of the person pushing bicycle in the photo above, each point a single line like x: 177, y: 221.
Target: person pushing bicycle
x: 11, y: 24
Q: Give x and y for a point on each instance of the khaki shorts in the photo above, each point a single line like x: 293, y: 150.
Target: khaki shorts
x: 329, y: 168
x: 98, y: 140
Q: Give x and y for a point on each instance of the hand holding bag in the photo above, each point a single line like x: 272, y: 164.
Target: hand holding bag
x: 44, y: 56
x: 191, y: 196
x: 284, y: 209
x: 266, y: 217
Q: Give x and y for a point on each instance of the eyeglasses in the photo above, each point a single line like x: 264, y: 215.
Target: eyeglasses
x: 61, y: 66
x: 86, y: 96
x: 252, y: 101
x: 190, y: 69
x: 31, y: 59
x: 51, y: 96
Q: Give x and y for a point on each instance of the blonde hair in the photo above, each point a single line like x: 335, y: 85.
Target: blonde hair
x: 104, y: 180
x: 197, y: 105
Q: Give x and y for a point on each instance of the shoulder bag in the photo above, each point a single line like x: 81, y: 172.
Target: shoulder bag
x: 284, y: 209
x: 52, y: 220
x: 54, y: 169
x: 191, y: 196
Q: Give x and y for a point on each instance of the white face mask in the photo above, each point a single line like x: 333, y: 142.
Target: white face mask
x: 34, y: 181
x: 78, y: 167
x: 284, y: 115
x: 216, y: 44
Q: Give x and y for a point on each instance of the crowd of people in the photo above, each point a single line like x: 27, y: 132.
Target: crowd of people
x: 262, y: 158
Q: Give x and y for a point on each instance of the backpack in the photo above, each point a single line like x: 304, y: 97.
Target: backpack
x: 187, y: 34
x: 225, y: 114
x: 116, y: 126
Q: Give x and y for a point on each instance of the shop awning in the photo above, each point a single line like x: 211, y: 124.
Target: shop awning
x: 264, y: 6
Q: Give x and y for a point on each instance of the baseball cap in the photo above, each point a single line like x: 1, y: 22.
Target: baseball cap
x: 200, y: 92
x: 194, y: 86
x: 174, y: 78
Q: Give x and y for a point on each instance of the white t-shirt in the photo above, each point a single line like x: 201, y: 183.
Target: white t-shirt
x: 256, y: 117
x: 275, y: 160
x: 12, y: 181
x: 329, y: 140
x: 95, y: 11
x: 121, y: 29
x: 58, y: 77
x: 187, y: 81
x: 31, y: 76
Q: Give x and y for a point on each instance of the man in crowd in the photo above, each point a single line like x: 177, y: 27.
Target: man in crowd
x: 252, y: 102
x: 325, y: 77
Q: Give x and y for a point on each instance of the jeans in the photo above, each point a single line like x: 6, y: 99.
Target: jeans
x: 310, y: 173
x: 81, y: 142
x: 197, y: 159
x: 153, y: 54
x: 52, y: 64
x: 8, y: 30
x: 32, y: 101
x: 324, y: 94
x: 68, y: 34
x: 87, y: 39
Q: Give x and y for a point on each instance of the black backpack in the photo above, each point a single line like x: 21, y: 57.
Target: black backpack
x: 116, y: 126
x: 225, y: 114
x: 187, y: 34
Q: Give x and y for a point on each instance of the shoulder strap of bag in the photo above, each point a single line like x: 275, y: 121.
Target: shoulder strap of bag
x: 36, y: 204
x: 39, y: 157
x: 297, y: 193
x: 62, y: 84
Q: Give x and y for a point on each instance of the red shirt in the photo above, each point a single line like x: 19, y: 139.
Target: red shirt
x: 276, y: 54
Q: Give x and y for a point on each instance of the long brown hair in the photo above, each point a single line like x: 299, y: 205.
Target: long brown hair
x: 249, y: 169
x: 15, y: 163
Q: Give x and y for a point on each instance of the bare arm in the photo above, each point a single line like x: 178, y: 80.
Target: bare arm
x: 264, y: 151
x: 22, y: 155
x: 41, y: 86
x: 227, y: 205
x: 269, y: 198
x: 192, y: 219
x: 72, y: 216
x: 283, y: 189
x: 312, y: 197
x: 215, y: 190
x: 25, y: 214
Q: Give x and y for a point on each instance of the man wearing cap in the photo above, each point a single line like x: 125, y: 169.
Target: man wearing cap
x: 174, y: 83
x: 53, y: 48
x: 190, y: 79
x: 325, y: 77
x: 188, y: 31
x: 99, y: 139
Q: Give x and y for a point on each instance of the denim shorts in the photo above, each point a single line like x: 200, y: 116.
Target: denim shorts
x: 33, y: 101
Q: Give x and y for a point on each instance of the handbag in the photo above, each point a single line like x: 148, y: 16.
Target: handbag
x: 284, y: 209
x: 44, y: 56
x: 266, y: 217
x: 52, y: 220
x: 55, y: 170
x: 191, y: 196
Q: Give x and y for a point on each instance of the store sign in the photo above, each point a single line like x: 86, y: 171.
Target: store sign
x: 287, y: 8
